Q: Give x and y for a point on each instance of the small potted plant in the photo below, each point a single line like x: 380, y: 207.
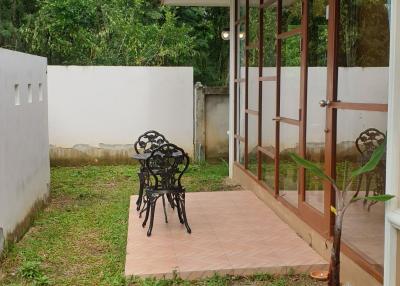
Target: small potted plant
x: 343, y: 201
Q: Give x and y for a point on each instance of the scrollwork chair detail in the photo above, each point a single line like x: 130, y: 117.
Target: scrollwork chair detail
x: 146, y: 143
x: 366, y: 143
x: 166, y: 166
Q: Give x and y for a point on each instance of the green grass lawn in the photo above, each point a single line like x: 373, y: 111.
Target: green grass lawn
x: 80, y: 237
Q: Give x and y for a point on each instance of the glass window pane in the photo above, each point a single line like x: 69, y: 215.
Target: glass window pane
x: 269, y: 37
x: 242, y: 8
x: 241, y: 53
x: 363, y: 51
x: 252, y: 141
x: 290, y: 78
x: 254, y: 25
x: 253, y: 88
x: 316, y: 91
x: 240, y: 152
x: 358, y: 134
x: 291, y: 15
x: 240, y: 109
x: 288, y: 171
x: 268, y: 115
x: 268, y: 171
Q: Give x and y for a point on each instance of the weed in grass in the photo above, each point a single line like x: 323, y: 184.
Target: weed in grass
x: 31, y: 271
x: 217, y: 280
x: 261, y: 277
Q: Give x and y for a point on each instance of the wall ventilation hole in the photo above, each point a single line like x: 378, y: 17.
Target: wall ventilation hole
x: 17, y: 95
x: 29, y: 93
x: 40, y: 92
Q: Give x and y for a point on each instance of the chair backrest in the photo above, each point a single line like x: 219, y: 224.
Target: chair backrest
x: 149, y: 141
x: 368, y: 141
x: 166, y: 165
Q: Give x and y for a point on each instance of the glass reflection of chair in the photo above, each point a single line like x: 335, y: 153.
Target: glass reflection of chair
x: 366, y: 143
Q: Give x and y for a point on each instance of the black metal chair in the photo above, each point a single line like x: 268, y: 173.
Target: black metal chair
x: 146, y: 143
x: 366, y: 143
x: 166, y: 166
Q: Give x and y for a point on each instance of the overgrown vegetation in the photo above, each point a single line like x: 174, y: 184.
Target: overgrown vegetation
x: 119, y: 32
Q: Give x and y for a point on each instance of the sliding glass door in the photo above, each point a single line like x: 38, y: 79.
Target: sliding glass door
x: 311, y: 78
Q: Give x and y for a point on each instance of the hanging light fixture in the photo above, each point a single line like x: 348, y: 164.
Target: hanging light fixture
x: 226, y: 34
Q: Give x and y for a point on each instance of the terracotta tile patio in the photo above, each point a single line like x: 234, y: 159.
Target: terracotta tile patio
x: 232, y: 233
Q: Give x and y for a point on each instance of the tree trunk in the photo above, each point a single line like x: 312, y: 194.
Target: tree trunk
x: 334, y: 268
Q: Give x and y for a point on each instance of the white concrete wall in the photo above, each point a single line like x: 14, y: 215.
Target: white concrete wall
x: 114, y: 105
x: 366, y: 85
x: 24, y: 145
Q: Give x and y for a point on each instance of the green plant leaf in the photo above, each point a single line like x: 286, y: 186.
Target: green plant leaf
x: 311, y: 167
x: 373, y: 161
x: 378, y: 198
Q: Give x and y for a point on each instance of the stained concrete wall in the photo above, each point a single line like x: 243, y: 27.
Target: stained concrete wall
x: 216, y: 123
x: 211, y: 113
x: 97, y: 113
x: 24, y: 143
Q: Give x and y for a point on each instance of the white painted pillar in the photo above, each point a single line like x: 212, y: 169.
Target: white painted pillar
x: 231, y: 86
x: 392, y: 217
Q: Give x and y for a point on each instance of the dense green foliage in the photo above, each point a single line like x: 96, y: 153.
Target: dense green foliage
x: 143, y: 32
x: 118, y: 32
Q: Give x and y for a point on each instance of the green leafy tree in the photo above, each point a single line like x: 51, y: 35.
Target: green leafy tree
x: 119, y: 32
x: 116, y: 32
x: 12, y: 14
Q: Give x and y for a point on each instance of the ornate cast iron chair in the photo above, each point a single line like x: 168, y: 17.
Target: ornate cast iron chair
x: 146, y: 143
x: 366, y: 144
x: 166, y: 166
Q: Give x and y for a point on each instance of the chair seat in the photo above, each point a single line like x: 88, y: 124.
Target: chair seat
x: 164, y: 191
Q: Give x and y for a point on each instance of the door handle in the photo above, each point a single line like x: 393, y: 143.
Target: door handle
x: 324, y: 103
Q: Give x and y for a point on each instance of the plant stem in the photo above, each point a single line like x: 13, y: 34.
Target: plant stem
x: 334, y: 270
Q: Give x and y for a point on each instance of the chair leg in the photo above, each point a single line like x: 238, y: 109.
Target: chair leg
x: 178, y: 207
x: 144, y: 207
x: 143, y: 210
x: 182, y: 201
x: 152, y: 210
x: 171, y: 201
x: 141, y: 187
x: 165, y: 211
x: 147, y: 213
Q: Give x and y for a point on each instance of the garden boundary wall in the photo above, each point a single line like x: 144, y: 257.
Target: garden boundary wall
x: 24, y: 141
x: 96, y: 113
